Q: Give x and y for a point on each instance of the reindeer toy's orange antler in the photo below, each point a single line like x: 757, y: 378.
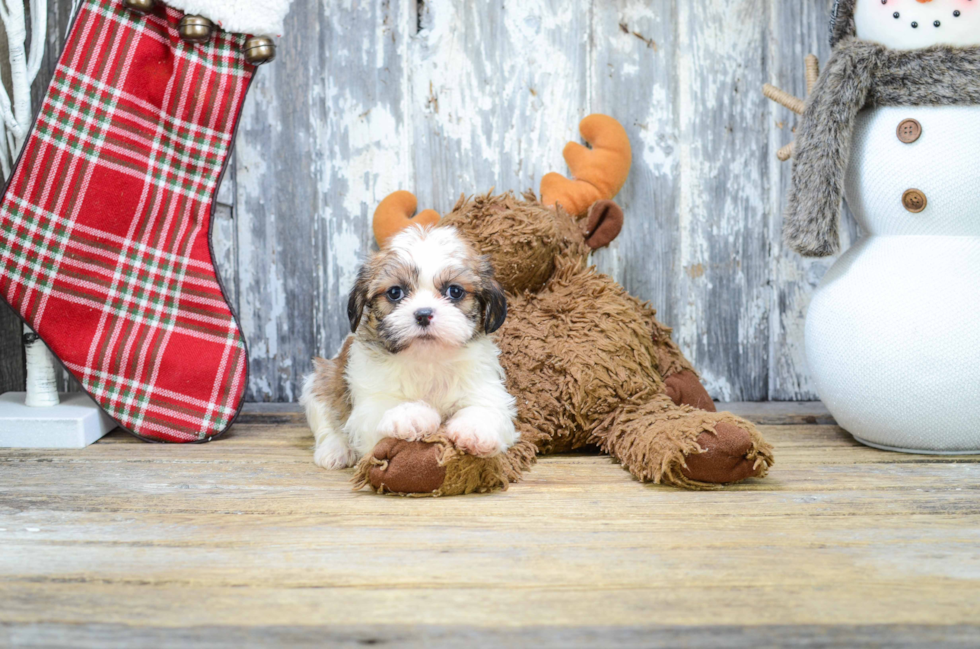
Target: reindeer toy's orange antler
x: 597, y: 173
x: 394, y: 214
x: 795, y: 104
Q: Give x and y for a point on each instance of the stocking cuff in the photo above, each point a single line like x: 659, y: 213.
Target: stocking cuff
x: 256, y: 17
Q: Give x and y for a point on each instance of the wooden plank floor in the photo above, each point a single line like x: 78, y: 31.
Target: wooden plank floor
x: 244, y: 541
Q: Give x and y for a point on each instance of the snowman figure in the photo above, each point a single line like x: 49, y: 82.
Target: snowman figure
x: 893, y: 125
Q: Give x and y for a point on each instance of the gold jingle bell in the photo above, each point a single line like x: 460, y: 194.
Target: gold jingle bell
x: 140, y: 6
x: 195, y: 29
x: 259, y: 50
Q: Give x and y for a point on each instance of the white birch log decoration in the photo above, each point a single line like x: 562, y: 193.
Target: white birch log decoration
x: 15, y: 119
x: 24, y: 66
x: 42, y: 381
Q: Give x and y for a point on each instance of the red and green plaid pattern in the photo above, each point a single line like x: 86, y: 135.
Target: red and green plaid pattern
x: 105, y: 222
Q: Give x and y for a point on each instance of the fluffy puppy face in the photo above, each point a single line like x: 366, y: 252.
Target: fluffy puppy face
x: 427, y: 287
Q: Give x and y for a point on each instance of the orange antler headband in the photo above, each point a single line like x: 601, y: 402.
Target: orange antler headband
x: 597, y: 173
x: 394, y: 214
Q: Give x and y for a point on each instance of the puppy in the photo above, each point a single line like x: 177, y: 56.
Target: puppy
x: 420, y: 356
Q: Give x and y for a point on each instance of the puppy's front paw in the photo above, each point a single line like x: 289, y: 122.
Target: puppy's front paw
x: 476, y: 433
x: 332, y: 452
x: 410, y: 421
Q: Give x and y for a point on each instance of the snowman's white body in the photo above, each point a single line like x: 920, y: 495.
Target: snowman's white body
x: 893, y: 331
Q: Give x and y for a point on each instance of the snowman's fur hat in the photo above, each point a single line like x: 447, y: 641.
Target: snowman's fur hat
x: 861, y: 74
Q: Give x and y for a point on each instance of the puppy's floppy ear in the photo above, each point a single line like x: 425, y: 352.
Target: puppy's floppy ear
x: 494, y: 306
x: 492, y: 298
x: 358, y: 298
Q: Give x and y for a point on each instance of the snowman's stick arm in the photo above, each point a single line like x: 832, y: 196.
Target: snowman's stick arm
x: 795, y: 104
x: 782, y: 98
x: 812, y: 73
x: 786, y: 152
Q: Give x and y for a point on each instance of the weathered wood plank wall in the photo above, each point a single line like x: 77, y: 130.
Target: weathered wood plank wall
x: 444, y: 97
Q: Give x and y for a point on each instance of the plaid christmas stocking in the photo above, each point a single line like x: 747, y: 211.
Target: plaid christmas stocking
x: 105, y: 223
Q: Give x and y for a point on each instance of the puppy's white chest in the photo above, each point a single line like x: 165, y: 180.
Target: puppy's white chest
x: 437, y: 384
x: 441, y: 382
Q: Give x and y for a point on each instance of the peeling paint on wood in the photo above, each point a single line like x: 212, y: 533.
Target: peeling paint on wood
x: 443, y: 98
x: 796, y: 30
x: 323, y: 138
x: 639, y: 86
x: 723, y: 322
x: 497, y: 91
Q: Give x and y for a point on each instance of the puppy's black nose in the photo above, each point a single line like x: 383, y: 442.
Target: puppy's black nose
x: 423, y: 317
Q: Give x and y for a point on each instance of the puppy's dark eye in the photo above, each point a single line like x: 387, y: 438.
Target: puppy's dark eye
x: 455, y: 292
x: 395, y: 293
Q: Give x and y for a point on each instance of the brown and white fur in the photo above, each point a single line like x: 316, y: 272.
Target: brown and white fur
x: 420, y: 359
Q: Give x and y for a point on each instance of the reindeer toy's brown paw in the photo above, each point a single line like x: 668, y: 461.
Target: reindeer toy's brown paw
x: 684, y: 388
x: 727, y: 449
x: 664, y: 443
x: 730, y: 453
x: 399, y: 467
x: 436, y: 467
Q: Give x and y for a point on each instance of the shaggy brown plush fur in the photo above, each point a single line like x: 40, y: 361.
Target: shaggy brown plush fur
x: 586, y: 361
x: 861, y: 74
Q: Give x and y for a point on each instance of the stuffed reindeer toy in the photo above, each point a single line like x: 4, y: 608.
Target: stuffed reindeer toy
x: 588, y: 364
x: 893, y: 331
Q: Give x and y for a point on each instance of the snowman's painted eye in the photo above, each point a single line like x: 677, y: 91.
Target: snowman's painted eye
x: 956, y: 14
x: 897, y: 15
x: 936, y: 24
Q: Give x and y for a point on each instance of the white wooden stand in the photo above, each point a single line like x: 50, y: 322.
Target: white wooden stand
x: 76, y: 422
x: 42, y: 418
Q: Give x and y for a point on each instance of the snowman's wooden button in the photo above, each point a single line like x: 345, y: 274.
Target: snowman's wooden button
x: 914, y: 201
x: 909, y: 131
